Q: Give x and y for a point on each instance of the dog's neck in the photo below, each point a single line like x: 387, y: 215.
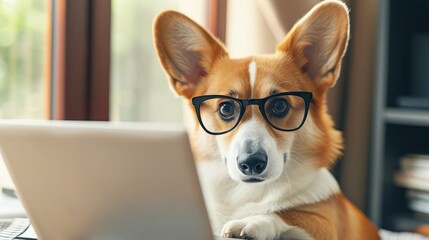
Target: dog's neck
x: 227, y: 199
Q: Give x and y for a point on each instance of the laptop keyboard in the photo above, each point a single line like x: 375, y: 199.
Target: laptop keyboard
x: 11, y: 228
x: 5, y: 223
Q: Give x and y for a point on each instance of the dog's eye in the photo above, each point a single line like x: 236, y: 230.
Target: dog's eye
x: 226, y: 111
x: 278, y: 107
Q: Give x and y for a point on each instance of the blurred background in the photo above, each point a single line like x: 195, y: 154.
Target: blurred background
x: 95, y: 60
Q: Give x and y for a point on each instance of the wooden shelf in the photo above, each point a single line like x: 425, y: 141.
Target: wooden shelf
x: 405, y: 221
x: 403, y: 116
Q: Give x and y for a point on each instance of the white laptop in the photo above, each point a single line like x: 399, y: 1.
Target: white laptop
x: 93, y: 180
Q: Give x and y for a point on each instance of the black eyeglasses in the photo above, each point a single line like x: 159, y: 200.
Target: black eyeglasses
x: 220, y: 114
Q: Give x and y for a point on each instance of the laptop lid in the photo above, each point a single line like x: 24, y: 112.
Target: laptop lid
x: 93, y: 180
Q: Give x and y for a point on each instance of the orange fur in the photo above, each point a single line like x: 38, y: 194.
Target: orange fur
x: 335, y: 218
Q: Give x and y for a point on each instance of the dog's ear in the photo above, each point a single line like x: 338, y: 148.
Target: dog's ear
x: 317, y: 42
x: 186, y: 51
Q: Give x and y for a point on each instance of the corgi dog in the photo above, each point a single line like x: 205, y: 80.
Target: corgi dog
x: 259, y: 128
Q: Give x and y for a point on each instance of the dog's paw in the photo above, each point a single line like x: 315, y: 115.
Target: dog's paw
x: 268, y: 226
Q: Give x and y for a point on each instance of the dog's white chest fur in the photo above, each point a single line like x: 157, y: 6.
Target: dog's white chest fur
x: 228, y: 200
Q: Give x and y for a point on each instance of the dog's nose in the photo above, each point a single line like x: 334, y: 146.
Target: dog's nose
x: 252, y: 164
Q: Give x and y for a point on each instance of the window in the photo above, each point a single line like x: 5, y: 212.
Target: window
x: 24, y: 48
x: 51, y: 50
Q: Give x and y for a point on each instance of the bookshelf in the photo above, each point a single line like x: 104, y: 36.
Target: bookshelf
x: 404, y: 221
x: 397, y: 128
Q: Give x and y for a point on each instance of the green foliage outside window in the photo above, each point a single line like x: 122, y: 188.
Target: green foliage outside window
x: 22, y: 47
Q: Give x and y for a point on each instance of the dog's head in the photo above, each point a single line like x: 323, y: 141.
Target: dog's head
x: 253, y: 123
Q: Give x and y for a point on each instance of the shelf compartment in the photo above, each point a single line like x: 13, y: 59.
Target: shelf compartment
x: 414, y: 117
x: 405, y: 221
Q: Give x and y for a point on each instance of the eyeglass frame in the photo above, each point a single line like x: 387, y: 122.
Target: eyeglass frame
x: 307, y: 96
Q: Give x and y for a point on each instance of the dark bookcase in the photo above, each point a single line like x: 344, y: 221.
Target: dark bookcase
x: 400, y: 123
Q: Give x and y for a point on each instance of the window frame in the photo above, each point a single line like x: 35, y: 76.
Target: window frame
x: 80, y: 60
x: 217, y: 18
